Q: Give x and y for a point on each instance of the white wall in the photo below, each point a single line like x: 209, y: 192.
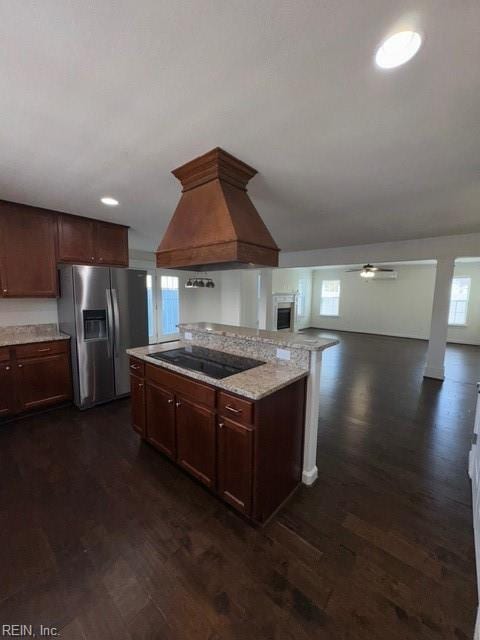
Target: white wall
x: 462, y: 245
x: 400, y: 307
x: 286, y: 281
x: 20, y: 311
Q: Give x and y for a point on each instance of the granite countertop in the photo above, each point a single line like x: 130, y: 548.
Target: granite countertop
x: 279, y: 338
x: 254, y: 383
x: 30, y: 333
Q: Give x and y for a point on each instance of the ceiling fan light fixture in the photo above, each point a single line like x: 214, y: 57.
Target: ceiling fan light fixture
x: 366, y: 273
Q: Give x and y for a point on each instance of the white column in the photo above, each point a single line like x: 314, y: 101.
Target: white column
x: 310, y: 470
x: 265, y: 301
x: 439, y: 325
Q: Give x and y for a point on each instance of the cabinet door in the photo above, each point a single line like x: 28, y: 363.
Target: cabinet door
x: 235, y: 448
x: 27, y: 252
x: 160, y: 427
x: 196, y: 440
x: 111, y: 244
x: 75, y: 239
x: 43, y: 381
x: 6, y: 388
x: 137, y: 386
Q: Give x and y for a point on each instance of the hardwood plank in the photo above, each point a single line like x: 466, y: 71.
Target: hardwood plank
x: 105, y: 538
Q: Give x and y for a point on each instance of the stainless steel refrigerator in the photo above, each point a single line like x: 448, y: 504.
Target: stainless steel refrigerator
x: 104, y: 310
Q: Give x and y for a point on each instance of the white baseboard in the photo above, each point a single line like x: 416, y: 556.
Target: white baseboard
x: 309, y: 477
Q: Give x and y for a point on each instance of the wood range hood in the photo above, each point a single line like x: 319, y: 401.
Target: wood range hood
x: 215, y: 225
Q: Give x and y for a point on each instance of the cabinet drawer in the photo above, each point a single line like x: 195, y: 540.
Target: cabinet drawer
x: 237, y: 408
x: 137, y: 367
x: 190, y: 389
x: 4, y: 354
x: 41, y: 349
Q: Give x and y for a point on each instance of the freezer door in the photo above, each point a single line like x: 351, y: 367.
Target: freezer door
x: 94, y: 335
x: 129, y: 301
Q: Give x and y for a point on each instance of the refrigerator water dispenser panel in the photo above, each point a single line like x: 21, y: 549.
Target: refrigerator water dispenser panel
x: 94, y: 324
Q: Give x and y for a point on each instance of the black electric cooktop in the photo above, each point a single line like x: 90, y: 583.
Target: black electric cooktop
x: 215, y: 364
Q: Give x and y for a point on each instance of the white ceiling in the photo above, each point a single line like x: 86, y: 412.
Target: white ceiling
x: 106, y: 98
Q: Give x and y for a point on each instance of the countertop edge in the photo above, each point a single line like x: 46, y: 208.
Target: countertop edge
x: 33, y: 340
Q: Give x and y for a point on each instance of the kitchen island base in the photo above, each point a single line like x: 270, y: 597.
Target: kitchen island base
x: 249, y: 453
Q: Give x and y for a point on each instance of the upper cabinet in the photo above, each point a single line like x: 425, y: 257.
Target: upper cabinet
x: 75, y: 239
x: 27, y: 252
x: 33, y: 240
x: 111, y: 244
x: 87, y: 241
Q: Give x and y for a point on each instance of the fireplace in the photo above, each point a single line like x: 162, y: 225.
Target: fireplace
x: 284, y: 307
x: 284, y: 318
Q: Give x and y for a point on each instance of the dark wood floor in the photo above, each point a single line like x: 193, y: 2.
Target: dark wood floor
x: 103, y: 538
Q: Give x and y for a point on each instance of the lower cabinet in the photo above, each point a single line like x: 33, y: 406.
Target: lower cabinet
x: 34, y: 376
x: 137, y: 386
x: 160, y: 413
x: 249, y: 453
x: 6, y: 388
x: 196, y: 440
x: 43, y: 381
x: 235, y: 451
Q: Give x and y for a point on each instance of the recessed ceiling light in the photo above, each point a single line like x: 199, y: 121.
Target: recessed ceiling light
x: 398, y: 49
x: 110, y: 202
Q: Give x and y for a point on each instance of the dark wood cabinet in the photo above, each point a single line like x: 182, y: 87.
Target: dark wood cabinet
x: 111, y: 244
x: 235, y: 451
x: 43, y: 381
x: 248, y: 452
x: 160, y: 414
x: 196, y: 440
x: 27, y: 252
x: 33, y: 240
x: 33, y: 376
x: 87, y: 241
x: 76, y: 239
x: 138, y: 404
x: 6, y: 388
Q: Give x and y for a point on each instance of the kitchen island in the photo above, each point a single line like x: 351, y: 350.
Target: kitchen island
x: 246, y: 435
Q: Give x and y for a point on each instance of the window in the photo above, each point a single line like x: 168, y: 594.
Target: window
x: 330, y: 300
x: 302, y: 298
x: 170, y: 304
x: 152, y: 324
x: 459, y: 301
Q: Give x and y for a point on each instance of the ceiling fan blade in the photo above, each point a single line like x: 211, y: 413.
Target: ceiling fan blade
x: 382, y: 269
x: 352, y: 270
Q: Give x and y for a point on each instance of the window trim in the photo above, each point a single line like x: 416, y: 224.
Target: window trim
x: 467, y: 302
x: 330, y: 315
x: 153, y: 339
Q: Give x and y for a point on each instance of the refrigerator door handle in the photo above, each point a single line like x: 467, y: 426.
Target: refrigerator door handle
x: 116, y: 317
x: 108, y: 297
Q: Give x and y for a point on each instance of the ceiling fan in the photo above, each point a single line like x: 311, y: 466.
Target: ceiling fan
x: 369, y: 270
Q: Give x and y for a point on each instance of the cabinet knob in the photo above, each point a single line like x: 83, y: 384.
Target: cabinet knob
x: 178, y: 404
x: 170, y: 401
x: 20, y: 366
x: 92, y: 258
x: 221, y: 425
x: 5, y: 291
x: 140, y: 385
x: 7, y: 368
